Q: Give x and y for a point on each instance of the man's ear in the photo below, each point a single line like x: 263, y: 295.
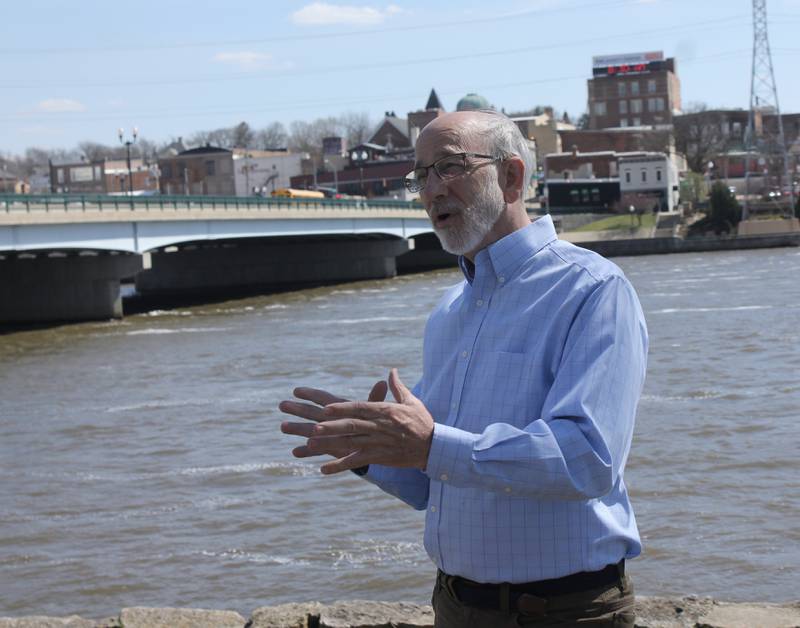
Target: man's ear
x: 511, y: 179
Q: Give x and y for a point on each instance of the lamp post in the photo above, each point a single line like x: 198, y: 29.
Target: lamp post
x: 128, y: 144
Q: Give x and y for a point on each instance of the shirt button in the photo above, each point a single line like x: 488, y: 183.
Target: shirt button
x: 443, y: 477
x: 479, y: 302
x: 453, y: 405
x: 507, y: 489
x: 433, y: 508
x: 501, y: 279
x: 464, y: 354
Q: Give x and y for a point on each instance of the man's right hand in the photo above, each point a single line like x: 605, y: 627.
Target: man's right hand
x: 322, y: 398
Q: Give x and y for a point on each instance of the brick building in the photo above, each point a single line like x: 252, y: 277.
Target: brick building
x: 640, y: 89
x: 102, y: 176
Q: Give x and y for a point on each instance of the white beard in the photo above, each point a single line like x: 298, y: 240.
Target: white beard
x: 477, y: 221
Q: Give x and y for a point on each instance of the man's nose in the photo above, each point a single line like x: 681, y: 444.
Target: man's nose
x: 434, y: 186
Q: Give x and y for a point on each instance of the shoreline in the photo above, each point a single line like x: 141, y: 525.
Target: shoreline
x: 651, y: 612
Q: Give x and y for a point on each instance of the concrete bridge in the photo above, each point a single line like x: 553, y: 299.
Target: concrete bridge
x: 63, y: 257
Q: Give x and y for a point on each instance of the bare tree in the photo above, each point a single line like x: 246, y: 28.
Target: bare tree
x: 355, y: 127
x: 272, y: 136
x: 306, y: 137
x: 94, y: 151
x: 699, y: 136
x: 224, y: 138
x: 242, y: 136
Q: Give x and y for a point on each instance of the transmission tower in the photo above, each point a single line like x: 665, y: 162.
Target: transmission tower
x: 766, y: 142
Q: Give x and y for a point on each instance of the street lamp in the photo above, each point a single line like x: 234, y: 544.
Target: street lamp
x: 128, y: 144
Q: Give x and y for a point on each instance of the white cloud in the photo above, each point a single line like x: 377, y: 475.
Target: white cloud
x: 246, y: 60
x: 60, y: 105
x: 322, y: 13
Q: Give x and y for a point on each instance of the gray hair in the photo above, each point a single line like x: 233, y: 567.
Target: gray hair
x: 505, y: 140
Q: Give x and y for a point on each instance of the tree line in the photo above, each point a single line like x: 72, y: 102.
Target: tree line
x: 300, y: 136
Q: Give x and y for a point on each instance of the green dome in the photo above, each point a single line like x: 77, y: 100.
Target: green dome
x: 471, y: 102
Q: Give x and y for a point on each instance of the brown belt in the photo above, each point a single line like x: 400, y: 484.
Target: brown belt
x: 505, y: 596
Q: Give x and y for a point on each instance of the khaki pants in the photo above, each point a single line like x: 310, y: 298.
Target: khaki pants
x: 610, y: 606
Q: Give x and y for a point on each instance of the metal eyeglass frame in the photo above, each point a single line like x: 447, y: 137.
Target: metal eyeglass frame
x: 412, y: 183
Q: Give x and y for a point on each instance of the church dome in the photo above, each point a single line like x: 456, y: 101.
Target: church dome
x: 471, y: 102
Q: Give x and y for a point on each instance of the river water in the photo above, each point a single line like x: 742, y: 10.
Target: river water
x: 141, y: 462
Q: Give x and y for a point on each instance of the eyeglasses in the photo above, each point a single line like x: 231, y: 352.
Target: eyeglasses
x: 447, y: 168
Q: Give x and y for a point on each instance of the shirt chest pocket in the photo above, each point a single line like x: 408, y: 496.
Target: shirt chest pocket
x: 502, y: 386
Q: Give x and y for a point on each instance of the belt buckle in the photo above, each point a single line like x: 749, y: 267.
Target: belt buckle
x: 532, y: 605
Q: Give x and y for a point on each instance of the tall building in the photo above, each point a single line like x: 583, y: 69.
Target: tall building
x: 639, y: 89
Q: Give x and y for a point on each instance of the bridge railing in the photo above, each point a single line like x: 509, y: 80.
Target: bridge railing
x: 102, y: 202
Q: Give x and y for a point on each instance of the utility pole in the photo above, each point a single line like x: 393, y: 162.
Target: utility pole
x: 768, y: 145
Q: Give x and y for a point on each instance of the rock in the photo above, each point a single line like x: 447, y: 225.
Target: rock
x: 726, y: 615
x: 365, y: 614
x: 694, y: 612
x: 661, y: 612
x: 286, y: 616
x: 139, y: 617
x: 40, y: 621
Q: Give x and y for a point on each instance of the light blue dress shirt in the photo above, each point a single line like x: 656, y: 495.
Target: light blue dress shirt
x: 532, y: 370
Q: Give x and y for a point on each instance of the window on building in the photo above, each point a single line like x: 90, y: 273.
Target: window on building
x: 637, y: 122
x: 623, y: 122
x: 651, y: 86
x: 595, y: 195
x: 211, y: 168
x: 600, y: 108
x: 612, y: 169
x: 636, y: 105
x: 737, y: 128
x: 60, y: 175
x: 585, y: 195
x: 166, y: 171
x: 634, y: 88
x: 651, y: 104
x: 621, y: 90
x: 627, y: 176
x: 658, y: 175
x: 644, y: 176
x: 659, y: 104
x: 623, y: 106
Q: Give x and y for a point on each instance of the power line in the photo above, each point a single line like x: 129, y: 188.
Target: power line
x: 238, y: 76
x: 248, y: 109
x: 317, y: 36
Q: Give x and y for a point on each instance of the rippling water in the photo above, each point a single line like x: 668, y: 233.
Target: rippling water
x: 141, y: 462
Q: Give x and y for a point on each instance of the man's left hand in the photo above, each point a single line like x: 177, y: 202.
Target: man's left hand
x: 359, y: 433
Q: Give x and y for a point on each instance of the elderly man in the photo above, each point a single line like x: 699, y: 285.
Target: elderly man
x: 515, y: 439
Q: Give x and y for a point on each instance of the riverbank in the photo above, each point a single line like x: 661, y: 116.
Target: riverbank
x: 651, y: 612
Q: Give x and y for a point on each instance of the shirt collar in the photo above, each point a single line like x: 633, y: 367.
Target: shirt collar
x: 509, y: 253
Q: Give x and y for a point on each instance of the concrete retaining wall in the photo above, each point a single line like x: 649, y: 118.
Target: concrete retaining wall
x: 651, y: 612
x: 655, y: 246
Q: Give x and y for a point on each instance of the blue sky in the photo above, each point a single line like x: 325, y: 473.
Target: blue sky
x: 73, y: 71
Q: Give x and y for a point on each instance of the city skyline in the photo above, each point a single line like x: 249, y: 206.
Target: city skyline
x: 181, y: 68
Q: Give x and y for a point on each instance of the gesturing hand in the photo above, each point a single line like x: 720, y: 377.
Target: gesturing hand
x: 359, y: 433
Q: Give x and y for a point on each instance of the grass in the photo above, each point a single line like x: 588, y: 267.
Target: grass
x: 620, y: 221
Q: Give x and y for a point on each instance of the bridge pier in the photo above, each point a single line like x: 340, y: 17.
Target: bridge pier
x: 427, y: 254
x: 42, y: 287
x: 247, y: 264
